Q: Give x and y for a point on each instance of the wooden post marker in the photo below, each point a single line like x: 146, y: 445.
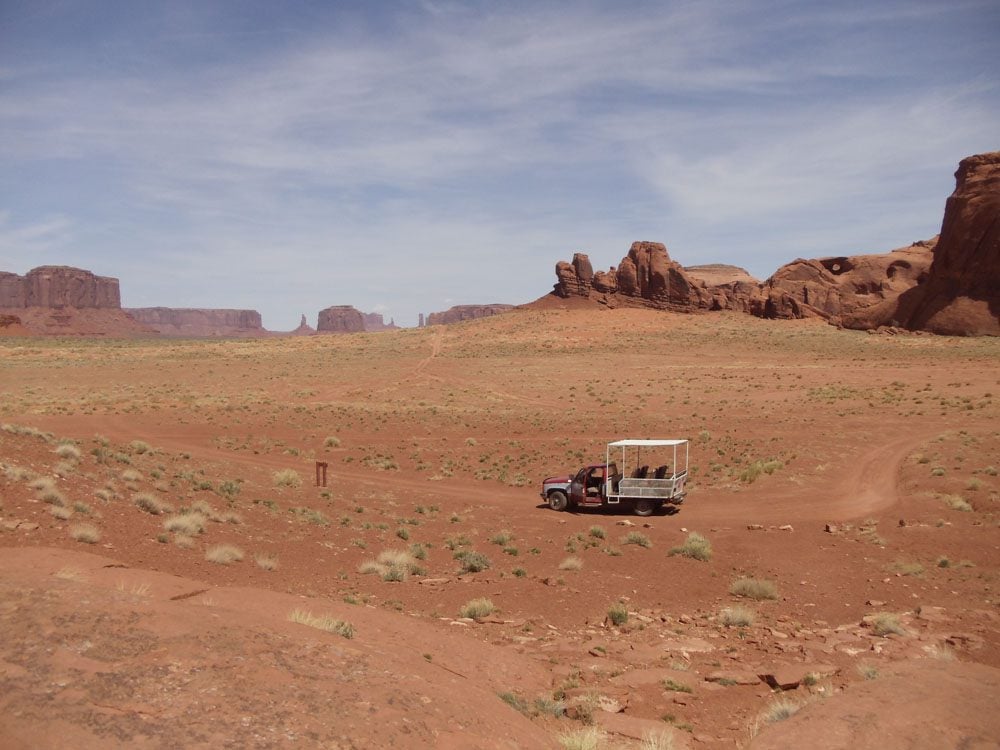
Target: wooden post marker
x: 321, y: 473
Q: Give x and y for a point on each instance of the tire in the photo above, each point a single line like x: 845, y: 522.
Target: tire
x: 557, y: 500
x: 644, y: 507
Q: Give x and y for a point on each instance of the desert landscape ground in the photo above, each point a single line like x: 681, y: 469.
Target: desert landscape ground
x: 171, y: 577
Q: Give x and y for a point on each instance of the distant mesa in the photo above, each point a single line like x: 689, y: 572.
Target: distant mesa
x: 179, y: 322
x: 460, y: 313
x: 714, y: 274
x: 60, y: 300
x: 375, y: 322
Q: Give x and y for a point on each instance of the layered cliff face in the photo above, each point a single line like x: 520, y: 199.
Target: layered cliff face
x: 65, y: 301
x: 58, y: 287
x: 458, y: 313
x: 961, y: 292
x: 200, y: 322
x: 340, y: 319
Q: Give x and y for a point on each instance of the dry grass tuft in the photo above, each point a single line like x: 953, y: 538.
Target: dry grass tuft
x: 571, y: 563
x: 695, y: 546
x: 224, y: 554
x: 737, y: 616
x: 84, y: 532
x: 477, y: 608
x: 588, y: 738
x: 266, y: 561
x: 322, y: 622
x: 287, y: 478
x: 886, y: 623
x: 150, y: 503
x: 188, y: 524
x: 753, y: 588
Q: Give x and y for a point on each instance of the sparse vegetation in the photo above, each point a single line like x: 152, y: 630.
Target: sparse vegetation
x: 84, y: 532
x: 618, y: 614
x: 477, y: 608
x: 695, y: 546
x: 737, y: 616
x: 287, y: 478
x: 322, y: 622
x: 571, y: 563
x: 637, y: 538
x: 150, y: 503
x: 266, y: 561
x: 224, y: 554
x: 886, y: 623
x: 587, y: 738
x: 753, y: 588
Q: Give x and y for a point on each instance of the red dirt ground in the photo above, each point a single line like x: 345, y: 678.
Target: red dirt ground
x: 442, y: 436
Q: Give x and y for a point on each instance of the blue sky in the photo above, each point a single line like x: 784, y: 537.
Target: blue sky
x: 407, y: 156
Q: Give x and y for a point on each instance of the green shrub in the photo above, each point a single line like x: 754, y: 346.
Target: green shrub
x: 477, y: 609
x: 618, y: 614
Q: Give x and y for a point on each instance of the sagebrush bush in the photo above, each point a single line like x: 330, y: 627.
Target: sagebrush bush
x: 224, y: 554
x: 477, y: 608
x: 618, y: 614
x: 754, y: 588
x: 738, y: 616
x: 150, y: 503
x: 323, y: 622
x: 695, y: 546
x: 85, y: 533
x: 287, y: 478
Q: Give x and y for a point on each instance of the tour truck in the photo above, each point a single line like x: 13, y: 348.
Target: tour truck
x: 631, y: 483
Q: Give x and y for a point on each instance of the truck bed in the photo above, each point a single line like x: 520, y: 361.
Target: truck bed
x: 656, y: 489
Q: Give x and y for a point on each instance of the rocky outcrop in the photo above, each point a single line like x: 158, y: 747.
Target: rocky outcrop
x: 199, y: 322
x: 58, y: 287
x: 961, y: 292
x: 835, y: 287
x: 304, y: 329
x: 646, y: 277
x: 459, y: 313
x: 825, y: 287
x: 340, y: 319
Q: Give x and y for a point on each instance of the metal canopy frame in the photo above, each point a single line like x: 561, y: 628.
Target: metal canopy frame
x: 639, y: 444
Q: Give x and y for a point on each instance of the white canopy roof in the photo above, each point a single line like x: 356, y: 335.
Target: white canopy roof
x: 644, y: 443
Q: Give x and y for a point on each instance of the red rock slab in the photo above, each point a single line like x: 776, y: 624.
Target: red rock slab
x: 925, y: 703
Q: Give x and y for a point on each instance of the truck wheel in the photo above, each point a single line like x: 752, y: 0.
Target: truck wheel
x: 644, y: 507
x: 557, y: 500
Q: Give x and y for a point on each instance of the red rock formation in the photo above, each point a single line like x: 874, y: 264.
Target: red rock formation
x: 200, y: 322
x: 57, y: 287
x: 824, y: 287
x: 340, y: 319
x: 645, y: 277
x: 304, y: 329
x: 961, y: 294
x: 458, y: 313
x: 65, y: 301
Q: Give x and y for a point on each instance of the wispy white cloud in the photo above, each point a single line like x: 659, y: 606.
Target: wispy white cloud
x: 436, y: 139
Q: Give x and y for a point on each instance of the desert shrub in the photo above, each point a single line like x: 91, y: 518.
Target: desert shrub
x: 886, y: 623
x: 139, y: 446
x: 229, y: 488
x: 868, y: 671
x: 403, y: 533
x: 907, y: 568
x: 638, y: 538
x: 150, y: 503
x: 515, y: 701
x: 738, y: 616
x: 52, y: 496
x: 188, y: 524
x: 84, y: 532
x: 588, y: 738
x: 502, y: 537
x: 331, y: 442
x: 224, y: 554
x: 754, y: 588
x: 657, y: 741
x: 779, y: 710
x: 618, y: 614
x: 477, y: 608
x: 131, y: 475
x: 597, y: 532
x: 323, y: 622
x: 957, y: 502
x: 676, y: 687
x: 68, y: 451
x: 472, y: 562
x: 287, y: 478
x: 61, y: 512
x: 695, y: 546
x: 752, y: 472
x: 571, y: 563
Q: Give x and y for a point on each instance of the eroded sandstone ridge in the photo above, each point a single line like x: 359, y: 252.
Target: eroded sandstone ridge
x: 458, y: 313
x: 823, y: 287
x: 200, y: 322
x: 961, y: 293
